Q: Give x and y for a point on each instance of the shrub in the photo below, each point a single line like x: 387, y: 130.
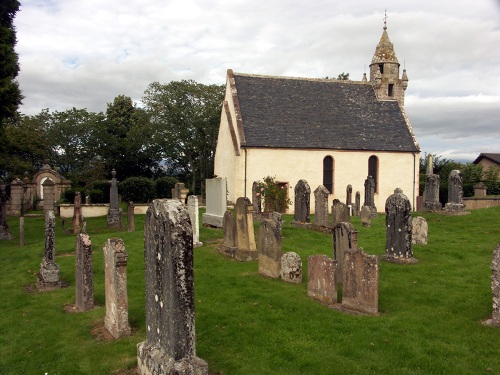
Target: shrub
x: 164, y: 186
x: 137, y: 189
x: 103, y: 186
x: 97, y: 196
x: 274, y: 194
x: 68, y: 195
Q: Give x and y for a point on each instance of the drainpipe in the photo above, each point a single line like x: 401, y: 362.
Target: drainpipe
x: 414, y: 170
x: 245, y: 186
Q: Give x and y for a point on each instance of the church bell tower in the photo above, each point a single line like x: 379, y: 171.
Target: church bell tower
x: 384, y: 71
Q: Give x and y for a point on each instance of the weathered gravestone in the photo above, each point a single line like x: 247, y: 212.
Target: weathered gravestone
x: 322, y: 279
x: 115, y: 286
x: 77, y: 212
x: 115, y: 212
x: 276, y: 217
x: 431, y: 190
x: 21, y: 231
x: 420, y: 230
x: 370, y: 195
x: 246, y: 250
x: 348, y: 198
x: 455, y: 192
x: 269, y: 248
x: 345, y: 237
x: 495, y: 288
x: 180, y: 192
x: 216, y: 202
x: 84, y: 276
x: 360, y: 282
x: 291, y: 268
x: 357, y: 203
x: 130, y: 217
x: 170, y: 323
x: 321, y: 206
x: 366, y: 216
x: 48, y: 187
x: 398, y: 246
x: 194, y: 216
x: 4, y: 227
x: 302, y: 202
x: 256, y: 198
x: 340, y: 213
x: 229, y: 242
x: 16, y: 197
x: 48, y: 277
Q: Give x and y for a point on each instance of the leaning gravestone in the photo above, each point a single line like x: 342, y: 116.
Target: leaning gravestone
x: 115, y: 286
x: 345, y: 237
x: 302, y: 202
x: 321, y: 206
x: 340, y: 213
x: 115, y: 212
x: 322, y: 279
x: 370, y: 195
x: 495, y: 288
x: 170, y: 323
x: 4, y: 227
x: 269, y: 248
x: 420, y: 230
x: 360, y: 282
x: 194, y: 216
x: 228, y: 246
x: 216, y: 202
x: 48, y: 277
x: 246, y: 250
x: 455, y: 193
x: 291, y: 268
x: 398, y: 246
x: 84, y: 276
x: 366, y: 216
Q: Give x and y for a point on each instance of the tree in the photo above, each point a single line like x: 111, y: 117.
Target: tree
x: 341, y: 77
x: 185, y: 116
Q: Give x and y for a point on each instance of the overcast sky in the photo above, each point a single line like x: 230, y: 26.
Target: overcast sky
x: 82, y: 54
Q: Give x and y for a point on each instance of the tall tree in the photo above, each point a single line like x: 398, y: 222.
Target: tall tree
x: 185, y: 115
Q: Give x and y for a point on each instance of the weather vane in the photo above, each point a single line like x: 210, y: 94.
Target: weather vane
x: 385, y: 20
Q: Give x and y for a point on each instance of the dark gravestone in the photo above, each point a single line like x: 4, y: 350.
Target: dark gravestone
x: 48, y: 277
x: 4, y: 227
x: 358, y: 203
x: 302, y: 202
x: 256, y: 198
x: 348, y: 198
x: 115, y: 212
x: 340, y: 213
x: 84, y: 277
x: 229, y: 227
x: 431, y: 193
x: 345, y: 237
x: 455, y: 192
x: 322, y: 279
x: 321, y: 206
x: 269, y: 248
x: 170, y: 323
x: 398, y: 246
x: 370, y: 195
x: 276, y: 217
x: 131, y: 217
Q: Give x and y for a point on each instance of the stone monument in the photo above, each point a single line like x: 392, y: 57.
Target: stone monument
x: 228, y: 246
x: 291, y: 268
x: 5, y: 233
x: 431, y: 190
x: 455, y: 193
x: 48, y: 277
x: 216, y: 202
x: 322, y: 279
x: 420, y: 230
x: 269, y: 248
x: 321, y: 206
x: 194, y: 216
x: 246, y: 249
x: 345, y: 237
x: 84, y: 276
x: 340, y: 213
x: 302, y: 202
x: 115, y: 212
x: 370, y: 195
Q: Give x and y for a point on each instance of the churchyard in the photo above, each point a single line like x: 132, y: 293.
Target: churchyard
x: 429, y: 320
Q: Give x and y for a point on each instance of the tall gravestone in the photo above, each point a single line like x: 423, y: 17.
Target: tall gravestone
x: 48, y: 187
x: 340, y: 213
x: 115, y: 212
x: 348, y: 197
x: 77, y: 212
x: 216, y: 202
x: 269, y: 248
x: 495, y: 288
x: 228, y: 246
x: 455, y: 192
x: 278, y: 220
x: 345, y: 237
x: 4, y: 227
x: 366, y: 216
x: 420, y: 230
x: 246, y: 249
x: 398, y: 245
x: 48, y: 277
x: 84, y: 276
x: 170, y: 315
x: 115, y: 287
x: 360, y: 282
x: 358, y: 203
x: 180, y: 192
x: 130, y: 217
x: 322, y: 279
x: 370, y: 195
x: 302, y: 202
x: 194, y: 216
x: 16, y: 197
x: 291, y: 268
x: 321, y: 206
x: 431, y: 190
x: 256, y: 198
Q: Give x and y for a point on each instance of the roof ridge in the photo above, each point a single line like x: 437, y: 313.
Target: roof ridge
x: 330, y: 80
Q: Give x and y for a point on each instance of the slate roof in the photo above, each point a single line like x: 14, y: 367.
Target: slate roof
x: 283, y: 112
x: 493, y: 157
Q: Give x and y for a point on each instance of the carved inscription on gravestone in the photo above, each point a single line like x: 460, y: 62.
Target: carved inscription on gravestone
x: 322, y: 279
x: 269, y: 247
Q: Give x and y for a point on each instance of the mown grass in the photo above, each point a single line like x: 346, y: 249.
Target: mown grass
x: 430, y: 321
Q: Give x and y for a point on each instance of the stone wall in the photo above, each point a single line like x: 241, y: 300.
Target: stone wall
x: 477, y: 203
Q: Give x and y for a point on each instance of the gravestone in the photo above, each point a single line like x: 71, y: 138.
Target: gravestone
x: 180, y: 192
x: 345, y: 237
x: 84, y: 276
x: 256, y: 198
x: 115, y: 212
x: 431, y: 190
x: 48, y: 277
x: 291, y: 268
x: 495, y: 288
x: 276, y: 217
x: 398, y: 245
x: 358, y: 203
x: 420, y: 230
x: 216, y: 202
x: 16, y: 197
x: 194, y: 216
x: 321, y: 206
x: 130, y: 217
x: 77, y: 212
x: 348, y: 198
x: 340, y: 213
x: 322, y: 279
x: 269, y: 248
x: 455, y: 192
x: 366, y: 216
x: 360, y: 282
x: 429, y: 168
x: 370, y: 195
x: 5, y: 233
x: 229, y: 227
x: 21, y: 231
x: 246, y: 250
x: 480, y: 189
x: 115, y: 287
x: 48, y: 187
x: 302, y: 202
x: 170, y: 315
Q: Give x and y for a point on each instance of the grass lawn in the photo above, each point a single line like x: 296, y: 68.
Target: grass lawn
x: 429, y: 323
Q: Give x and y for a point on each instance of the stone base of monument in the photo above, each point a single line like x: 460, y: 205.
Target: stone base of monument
x: 400, y: 260
x: 246, y: 255
x: 215, y: 221
x: 311, y: 226
x: 228, y: 250
x: 491, y: 323
x: 454, y: 207
x: 197, y: 244
x: 431, y: 207
x: 152, y: 360
x: 48, y: 277
x: 115, y: 218
x: 5, y: 232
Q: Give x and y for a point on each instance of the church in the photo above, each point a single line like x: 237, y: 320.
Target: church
x: 329, y: 132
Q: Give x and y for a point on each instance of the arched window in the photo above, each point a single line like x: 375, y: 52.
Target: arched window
x: 373, y: 170
x: 328, y: 173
